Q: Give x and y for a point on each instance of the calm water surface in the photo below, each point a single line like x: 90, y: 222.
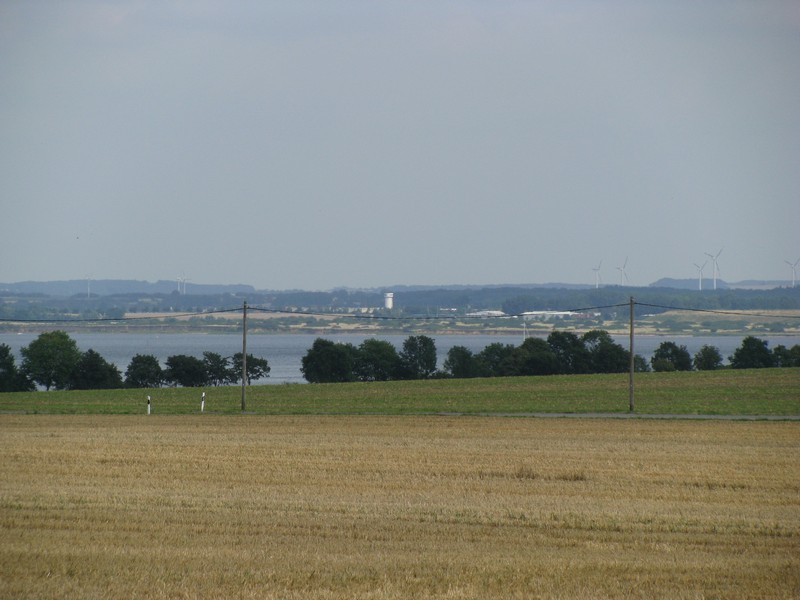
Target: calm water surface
x: 285, y: 351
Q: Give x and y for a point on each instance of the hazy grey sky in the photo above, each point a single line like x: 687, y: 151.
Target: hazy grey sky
x: 317, y: 144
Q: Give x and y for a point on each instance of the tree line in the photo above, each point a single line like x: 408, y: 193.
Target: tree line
x: 753, y: 353
x: 54, y: 361
x: 562, y: 352
x: 377, y: 360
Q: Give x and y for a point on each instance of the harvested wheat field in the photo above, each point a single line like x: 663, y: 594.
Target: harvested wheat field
x: 397, y: 507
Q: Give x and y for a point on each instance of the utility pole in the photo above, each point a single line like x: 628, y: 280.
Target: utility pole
x: 632, y: 364
x: 244, y: 356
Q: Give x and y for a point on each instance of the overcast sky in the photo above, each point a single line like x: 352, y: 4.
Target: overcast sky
x: 317, y: 144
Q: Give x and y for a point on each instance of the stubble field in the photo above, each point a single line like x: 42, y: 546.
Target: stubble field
x: 397, y: 507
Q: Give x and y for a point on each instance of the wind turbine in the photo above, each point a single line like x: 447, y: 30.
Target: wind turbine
x: 182, y: 284
x: 700, y: 273
x: 793, y: 267
x: 715, y: 268
x: 597, y: 274
x: 623, y: 276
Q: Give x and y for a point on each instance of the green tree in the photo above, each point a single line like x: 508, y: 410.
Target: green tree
x: 257, y: 368
x: 418, y: 357
x: 218, y: 369
x: 671, y: 357
x: 186, y: 371
x: 329, y: 362
x: 640, y: 364
x: 376, y: 360
x: 570, y: 352
x: 497, y: 360
x: 535, y: 357
x: 786, y: 357
x: 144, y: 371
x: 753, y: 353
x: 461, y: 363
x: 606, y: 355
x: 50, y: 359
x: 93, y: 372
x: 11, y: 378
x: 707, y: 358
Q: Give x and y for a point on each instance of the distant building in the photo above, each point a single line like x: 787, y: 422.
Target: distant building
x: 388, y: 300
x: 486, y: 314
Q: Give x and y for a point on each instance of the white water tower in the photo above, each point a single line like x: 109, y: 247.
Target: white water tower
x: 388, y: 300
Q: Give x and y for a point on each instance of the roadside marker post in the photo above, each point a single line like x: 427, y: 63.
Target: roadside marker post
x: 203, y: 403
x: 148, y: 405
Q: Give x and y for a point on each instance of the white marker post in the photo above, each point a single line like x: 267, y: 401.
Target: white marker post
x: 203, y: 403
x: 148, y: 405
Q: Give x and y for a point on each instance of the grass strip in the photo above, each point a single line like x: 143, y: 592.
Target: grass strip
x: 769, y: 392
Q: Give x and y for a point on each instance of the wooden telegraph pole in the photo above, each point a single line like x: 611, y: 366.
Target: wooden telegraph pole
x: 632, y: 363
x: 244, y: 356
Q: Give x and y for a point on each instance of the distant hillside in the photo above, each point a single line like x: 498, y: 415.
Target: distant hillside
x: 754, y: 284
x: 708, y: 284
x: 689, y: 284
x: 113, y: 299
x: 463, y: 287
x: 110, y: 287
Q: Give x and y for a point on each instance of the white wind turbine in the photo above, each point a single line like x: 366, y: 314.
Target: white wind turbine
x: 715, y: 265
x: 623, y: 275
x: 597, y: 274
x: 793, y: 267
x: 700, y: 275
x: 182, y: 284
